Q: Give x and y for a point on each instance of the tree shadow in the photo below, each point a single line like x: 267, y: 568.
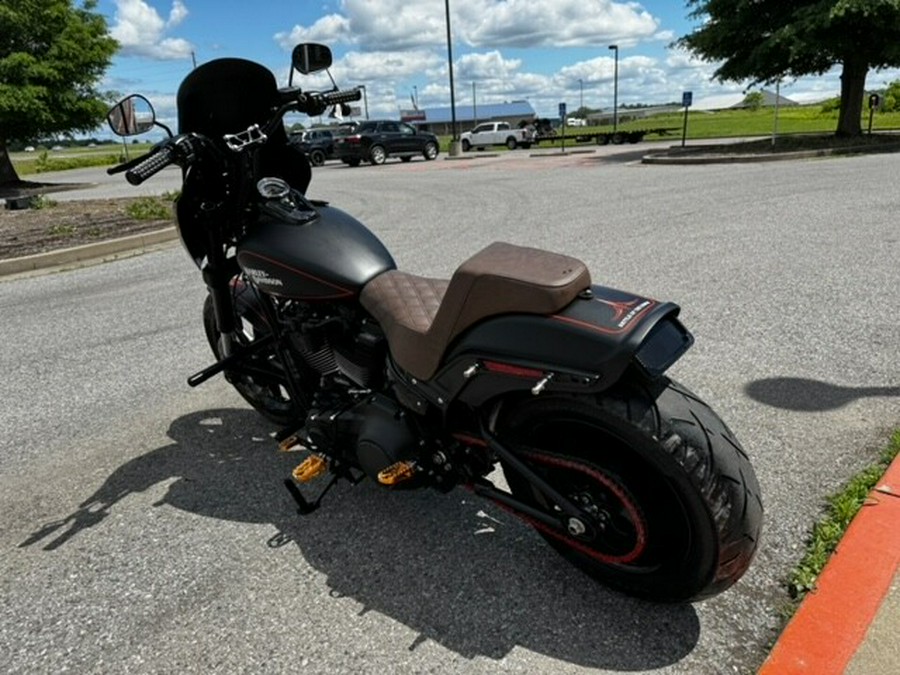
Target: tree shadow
x: 451, y: 567
x: 804, y: 395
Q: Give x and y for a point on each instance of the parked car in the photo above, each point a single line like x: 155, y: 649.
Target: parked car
x: 497, y: 133
x: 376, y: 140
x: 318, y: 144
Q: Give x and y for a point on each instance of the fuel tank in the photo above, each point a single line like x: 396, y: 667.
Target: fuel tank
x: 311, y: 252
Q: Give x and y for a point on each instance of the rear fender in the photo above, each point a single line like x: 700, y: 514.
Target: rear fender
x: 586, y: 347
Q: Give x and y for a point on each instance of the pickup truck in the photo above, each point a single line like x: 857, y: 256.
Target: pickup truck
x: 496, y: 133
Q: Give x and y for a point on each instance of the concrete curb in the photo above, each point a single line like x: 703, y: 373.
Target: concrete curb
x: 133, y: 244
x: 697, y: 155
x: 843, y: 621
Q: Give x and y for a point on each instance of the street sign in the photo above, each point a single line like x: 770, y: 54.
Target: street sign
x: 687, y: 98
x: 562, y: 111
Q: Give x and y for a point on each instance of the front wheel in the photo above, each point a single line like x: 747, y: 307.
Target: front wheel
x: 266, y: 393
x: 317, y: 157
x: 672, y: 505
x: 511, y: 143
x: 377, y: 154
x: 431, y: 151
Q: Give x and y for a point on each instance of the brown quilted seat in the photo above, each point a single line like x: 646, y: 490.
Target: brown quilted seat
x: 421, y: 316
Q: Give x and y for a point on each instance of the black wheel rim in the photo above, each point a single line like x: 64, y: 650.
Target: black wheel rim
x: 646, y: 526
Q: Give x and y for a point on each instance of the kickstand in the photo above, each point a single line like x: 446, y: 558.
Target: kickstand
x: 304, y: 506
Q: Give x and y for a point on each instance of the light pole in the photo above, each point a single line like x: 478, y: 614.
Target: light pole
x: 615, y: 49
x: 581, y: 94
x: 365, y: 99
x: 454, y: 139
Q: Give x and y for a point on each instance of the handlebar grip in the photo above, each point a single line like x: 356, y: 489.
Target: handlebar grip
x: 338, y: 97
x: 153, y: 164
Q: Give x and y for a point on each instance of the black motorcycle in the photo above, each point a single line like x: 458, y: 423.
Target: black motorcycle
x: 517, y: 360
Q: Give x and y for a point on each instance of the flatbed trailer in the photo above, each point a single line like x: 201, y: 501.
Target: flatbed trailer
x: 606, y: 137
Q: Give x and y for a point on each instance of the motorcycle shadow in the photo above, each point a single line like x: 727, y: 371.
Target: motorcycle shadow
x: 805, y: 395
x: 453, y: 568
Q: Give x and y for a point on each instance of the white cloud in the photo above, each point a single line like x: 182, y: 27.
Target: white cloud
x: 399, y: 24
x: 564, y: 23
x: 141, y: 31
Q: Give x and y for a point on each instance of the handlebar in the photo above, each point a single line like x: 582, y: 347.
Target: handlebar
x: 338, y: 97
x: 151, y: 165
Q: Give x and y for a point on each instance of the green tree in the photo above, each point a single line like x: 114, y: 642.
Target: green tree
x: 754, y: 100
x: 52, y: 56
x: 765, y: 40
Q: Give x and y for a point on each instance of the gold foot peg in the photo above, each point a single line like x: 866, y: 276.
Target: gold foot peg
x: 312, y: 467
x: 292, y: 443
x: 397, y: 473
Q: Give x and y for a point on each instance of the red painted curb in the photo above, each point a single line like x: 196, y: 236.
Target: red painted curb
x: 833, y: 619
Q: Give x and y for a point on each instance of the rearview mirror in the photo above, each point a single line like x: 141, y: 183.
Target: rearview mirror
x: 131, y: 116
x: 310, y: 57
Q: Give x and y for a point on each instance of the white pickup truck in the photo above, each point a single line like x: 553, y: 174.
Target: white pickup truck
x: 496, y: 133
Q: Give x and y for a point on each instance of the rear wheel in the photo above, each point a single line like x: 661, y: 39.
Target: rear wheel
x: 673, y: 505
x: 268, y: 395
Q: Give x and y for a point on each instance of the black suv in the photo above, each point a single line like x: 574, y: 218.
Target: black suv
x: 318, y: 144
x: 376, y: 140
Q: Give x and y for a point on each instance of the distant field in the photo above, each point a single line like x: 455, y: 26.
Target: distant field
x: 738, y: 123
x: 701, y: 125
x: 42, y: 159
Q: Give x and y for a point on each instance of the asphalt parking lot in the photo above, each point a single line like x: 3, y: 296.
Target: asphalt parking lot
x: 144, y: 527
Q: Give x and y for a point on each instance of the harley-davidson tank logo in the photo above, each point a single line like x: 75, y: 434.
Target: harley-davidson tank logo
x: 262, y: 277
x: 625, y: 312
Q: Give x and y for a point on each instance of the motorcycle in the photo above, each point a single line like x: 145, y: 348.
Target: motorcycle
x: 517, y: 361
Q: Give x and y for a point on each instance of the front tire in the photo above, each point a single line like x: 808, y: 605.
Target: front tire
x: 676, y: 505
x: 377, y: 154
x: 269, y: 398
x: 317, y: 157
x: 431, y: 151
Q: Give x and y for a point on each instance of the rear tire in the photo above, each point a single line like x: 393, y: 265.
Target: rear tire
x: 270, y: 399
x: 676, y: 500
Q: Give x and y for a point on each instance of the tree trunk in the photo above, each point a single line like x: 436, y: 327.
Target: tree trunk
x: 853, y: 88
x: 8, y: 173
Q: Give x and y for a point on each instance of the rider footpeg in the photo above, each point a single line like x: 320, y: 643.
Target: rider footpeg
x: 292, y: 443
x: 396, y: 473
x: 311, y: 468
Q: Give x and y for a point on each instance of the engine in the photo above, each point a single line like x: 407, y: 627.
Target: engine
x: 338, y: 344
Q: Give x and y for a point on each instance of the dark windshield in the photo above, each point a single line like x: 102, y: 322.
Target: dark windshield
x: 225, y: 96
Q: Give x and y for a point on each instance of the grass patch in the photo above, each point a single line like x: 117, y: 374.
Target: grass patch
x: 151, y: 208
x: 73, y: 158
x: 62, y: 230
x: 827, y: 533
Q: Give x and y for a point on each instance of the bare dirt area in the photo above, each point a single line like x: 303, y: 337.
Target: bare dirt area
x: 57, y: 225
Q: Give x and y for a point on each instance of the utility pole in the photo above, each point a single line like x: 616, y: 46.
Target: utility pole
x: 615, y: 49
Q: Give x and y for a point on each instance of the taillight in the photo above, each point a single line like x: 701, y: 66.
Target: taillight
x: 352, y: 139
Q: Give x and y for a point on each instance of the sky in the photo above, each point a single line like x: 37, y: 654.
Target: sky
x: 503, y: 50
